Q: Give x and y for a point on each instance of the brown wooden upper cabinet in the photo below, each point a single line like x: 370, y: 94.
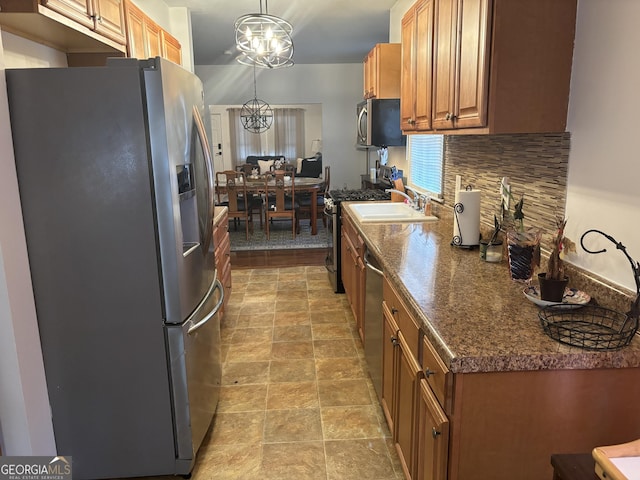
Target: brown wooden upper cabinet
x: 382, y: 71
x: 487, y: 66
x: 146, y: 39
x: 72, y: 26
x: 417, y: 48
x: 106, y: 17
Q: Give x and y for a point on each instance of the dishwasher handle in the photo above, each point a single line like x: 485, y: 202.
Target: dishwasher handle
x: 370, y: 266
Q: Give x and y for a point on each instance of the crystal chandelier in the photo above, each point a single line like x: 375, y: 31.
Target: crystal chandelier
x: 264, y: 40
x: 256, y: 115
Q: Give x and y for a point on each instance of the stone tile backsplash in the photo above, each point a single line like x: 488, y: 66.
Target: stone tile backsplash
x: 536, y: 165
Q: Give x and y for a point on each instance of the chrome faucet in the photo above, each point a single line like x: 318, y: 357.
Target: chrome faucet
x: 412, y: 204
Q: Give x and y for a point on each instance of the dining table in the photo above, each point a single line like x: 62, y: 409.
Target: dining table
x: 311, y: 185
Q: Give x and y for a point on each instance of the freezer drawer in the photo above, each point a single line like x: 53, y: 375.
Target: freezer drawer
x: 196, y: 371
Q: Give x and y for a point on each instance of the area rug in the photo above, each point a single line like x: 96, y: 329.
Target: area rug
x: 280, y: 237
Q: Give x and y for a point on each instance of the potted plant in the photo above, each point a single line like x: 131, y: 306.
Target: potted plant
x: 554, y: 281
x: 523, y: 244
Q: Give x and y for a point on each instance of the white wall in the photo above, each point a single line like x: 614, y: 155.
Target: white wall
x: 25, y: 418
x: 604, y: 164
x: 338, y: 87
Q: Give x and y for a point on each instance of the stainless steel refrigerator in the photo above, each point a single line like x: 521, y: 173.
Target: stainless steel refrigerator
x: 116, y: 186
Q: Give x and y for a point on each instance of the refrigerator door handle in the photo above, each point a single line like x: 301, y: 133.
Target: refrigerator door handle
x: 217, y: 285
x: 204, y: 143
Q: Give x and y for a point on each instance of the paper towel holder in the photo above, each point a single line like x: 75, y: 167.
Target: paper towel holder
x: 457, y: 240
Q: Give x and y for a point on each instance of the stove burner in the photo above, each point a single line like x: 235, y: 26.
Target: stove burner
x: 353, y: 195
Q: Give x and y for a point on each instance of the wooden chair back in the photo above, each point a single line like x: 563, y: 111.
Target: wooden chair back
x: 281, y: 198
x: 238, y: 201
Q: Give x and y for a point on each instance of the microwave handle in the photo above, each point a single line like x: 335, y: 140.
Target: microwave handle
x: 361, y: 135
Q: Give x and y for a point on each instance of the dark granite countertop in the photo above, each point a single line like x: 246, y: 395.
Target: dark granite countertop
x: 476, y: 317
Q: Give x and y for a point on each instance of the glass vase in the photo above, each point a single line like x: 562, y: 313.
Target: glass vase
x: 524, y: 253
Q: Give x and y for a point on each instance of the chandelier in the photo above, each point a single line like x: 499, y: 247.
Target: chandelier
x: 256, y: 115
x: 264, y: 40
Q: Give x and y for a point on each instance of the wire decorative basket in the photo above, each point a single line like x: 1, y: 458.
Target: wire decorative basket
x: 591, y: 327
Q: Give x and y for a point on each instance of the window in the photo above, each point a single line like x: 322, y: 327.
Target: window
x: 285, y: 137
x: 426, y: 162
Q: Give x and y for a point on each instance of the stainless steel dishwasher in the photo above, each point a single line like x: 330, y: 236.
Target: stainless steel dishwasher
x: 373, y: 321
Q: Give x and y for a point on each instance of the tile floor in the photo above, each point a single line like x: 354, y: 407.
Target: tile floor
x: 296, y: 401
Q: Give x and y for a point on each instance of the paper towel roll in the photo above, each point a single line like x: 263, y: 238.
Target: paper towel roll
x: 466, y: 224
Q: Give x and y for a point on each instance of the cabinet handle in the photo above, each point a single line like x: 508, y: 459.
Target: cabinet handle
x: 428, y: 372
x: 394, y: 340
x: 434, y: 432
x: 394, y: 310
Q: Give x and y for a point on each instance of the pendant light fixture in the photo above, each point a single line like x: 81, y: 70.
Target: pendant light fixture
x: 264, y: 40
x: 256, y: 115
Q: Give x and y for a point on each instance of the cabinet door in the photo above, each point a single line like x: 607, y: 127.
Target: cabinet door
x: 389, y: 348
x: 444, y: 67
x: 78, y: 10
x: 407, y: 385
x: 109, y: 19
x: 408, y: 78
x: 153, y: 39
x: 360, y: 273
x: 171, y: 49
x: 433, y: 437
x: 423, y: 46
x: 135, y: 31
x: 369, y: 62
x: 472, y: 74
x: 348, y: 269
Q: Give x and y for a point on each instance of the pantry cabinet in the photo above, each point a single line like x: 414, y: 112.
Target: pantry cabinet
x: 417, y: 48
x: 498, y: 66
x: 353, y: 271
x: 382, y: 71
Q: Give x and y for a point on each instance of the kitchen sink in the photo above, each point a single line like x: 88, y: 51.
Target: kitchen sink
x: 391, y: 212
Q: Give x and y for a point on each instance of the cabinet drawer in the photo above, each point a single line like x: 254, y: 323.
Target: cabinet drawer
x: 406, y: 323
x: 435, y: 371
x: 220, y: 230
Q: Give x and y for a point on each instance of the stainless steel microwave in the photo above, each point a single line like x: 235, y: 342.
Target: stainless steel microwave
x: 378, y: 123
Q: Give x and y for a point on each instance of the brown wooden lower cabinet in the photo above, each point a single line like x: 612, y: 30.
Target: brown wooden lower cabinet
x: 407, y: 384
x: 432, y: 436
x: 222, y: 245
x: 501, y: 425
x: 353, y: 271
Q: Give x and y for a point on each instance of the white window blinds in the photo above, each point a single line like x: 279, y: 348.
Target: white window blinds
x: 425, y: 160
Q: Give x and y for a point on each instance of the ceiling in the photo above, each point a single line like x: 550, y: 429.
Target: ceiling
x: 324, y: 31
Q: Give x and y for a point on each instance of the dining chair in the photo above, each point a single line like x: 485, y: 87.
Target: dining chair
x: 304, y: 199
x: 281, y: 199
x: 240, y: 203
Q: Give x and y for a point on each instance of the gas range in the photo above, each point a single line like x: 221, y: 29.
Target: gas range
x: 332, y: 213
